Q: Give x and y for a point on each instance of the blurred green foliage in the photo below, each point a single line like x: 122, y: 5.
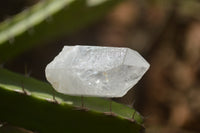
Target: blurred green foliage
x: 46, y: 21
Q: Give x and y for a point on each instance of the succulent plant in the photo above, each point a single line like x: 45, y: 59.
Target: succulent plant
x: 34, y: 105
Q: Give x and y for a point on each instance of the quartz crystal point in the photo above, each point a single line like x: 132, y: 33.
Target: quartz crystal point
x: 96, y: 71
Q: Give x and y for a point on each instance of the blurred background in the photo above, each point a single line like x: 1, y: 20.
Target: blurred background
x: 165, y: 32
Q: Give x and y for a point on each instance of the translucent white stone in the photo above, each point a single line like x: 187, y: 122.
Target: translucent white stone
x: 96, y: 71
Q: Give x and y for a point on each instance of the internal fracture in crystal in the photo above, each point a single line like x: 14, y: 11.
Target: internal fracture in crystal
x: 96, y: 71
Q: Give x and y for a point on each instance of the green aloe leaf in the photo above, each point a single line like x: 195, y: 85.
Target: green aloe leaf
x: 36, y: 111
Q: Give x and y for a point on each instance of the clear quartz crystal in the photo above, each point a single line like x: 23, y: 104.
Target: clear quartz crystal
x: 96, y: 71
